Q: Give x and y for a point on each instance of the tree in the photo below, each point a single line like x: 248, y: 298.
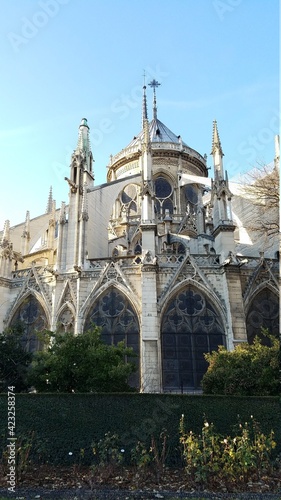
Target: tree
x: 14, y: 360
x: 81, y: 363
x: 249, y: 370
x: 261, y: 186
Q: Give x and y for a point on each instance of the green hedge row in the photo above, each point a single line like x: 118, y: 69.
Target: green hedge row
x: 64, y: 423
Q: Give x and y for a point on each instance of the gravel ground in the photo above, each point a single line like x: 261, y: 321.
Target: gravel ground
x: 110, y: 494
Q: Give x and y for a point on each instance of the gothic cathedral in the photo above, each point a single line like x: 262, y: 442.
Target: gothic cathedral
x: 161, y: 256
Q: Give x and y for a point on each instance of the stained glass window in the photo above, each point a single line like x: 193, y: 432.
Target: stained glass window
x: 263, y: 312
x: 31, y: 315
x: 129, y: 199
x: 118, y: 321
x: 163, y: 188
x: 163, y: 196
x: 66, y: 321
x: 191, y: 195
x: 190, y: 328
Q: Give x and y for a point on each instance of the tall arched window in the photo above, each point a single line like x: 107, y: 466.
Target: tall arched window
x: 190, y: 328
x: 263, y: 313
x: 118, y: 321
x: 30, y: 314
x: 163, y: 197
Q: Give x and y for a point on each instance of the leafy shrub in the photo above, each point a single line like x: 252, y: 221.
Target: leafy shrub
x: 249, y: 370
x: 82, y: 363
x: 209, y: 457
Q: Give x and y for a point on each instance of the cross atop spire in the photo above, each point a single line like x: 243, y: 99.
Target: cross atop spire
x: 154, y: 84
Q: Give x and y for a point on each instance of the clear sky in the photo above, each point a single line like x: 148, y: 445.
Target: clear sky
x: 62, y: 60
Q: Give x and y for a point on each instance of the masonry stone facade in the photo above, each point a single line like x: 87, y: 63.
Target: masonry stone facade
x: 160, y: 256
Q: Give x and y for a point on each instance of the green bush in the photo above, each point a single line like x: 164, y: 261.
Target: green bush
x: 81, y: 363
x: 249, y: 370
x: 210, y: 457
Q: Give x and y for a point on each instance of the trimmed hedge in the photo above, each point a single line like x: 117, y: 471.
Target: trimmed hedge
x: 64, y: 423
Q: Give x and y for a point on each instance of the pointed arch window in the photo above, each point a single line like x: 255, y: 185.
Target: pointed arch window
x: 115, y: 315
x: 191, y: 327
x: 263, y: 313
x: 65, y: 321
x: 163, y: 197
x: 30, y: 314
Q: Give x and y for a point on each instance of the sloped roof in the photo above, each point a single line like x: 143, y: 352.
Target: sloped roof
x: 158, y: 133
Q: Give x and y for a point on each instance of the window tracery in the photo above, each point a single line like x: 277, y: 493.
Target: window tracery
x: 66, y: 321
x: 263, y: 313
x: 118, y: 321
x: 163, y: 196
x: 190, y: 328
x: 127, y: 204
x: 31, y: 315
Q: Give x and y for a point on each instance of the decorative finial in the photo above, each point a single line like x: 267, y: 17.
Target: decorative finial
x: 154, y: 84
x: 50, y: 201
x: 6, y: 232
x: 26, y: 230
x: 83, y: 143
x: 216, y: 145
x: 62, y: 216
x: 217, y: 153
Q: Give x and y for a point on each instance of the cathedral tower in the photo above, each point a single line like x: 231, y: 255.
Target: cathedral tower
x: 81, y: 178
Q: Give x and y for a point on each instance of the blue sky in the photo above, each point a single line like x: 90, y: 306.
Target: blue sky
x: 62, y: 60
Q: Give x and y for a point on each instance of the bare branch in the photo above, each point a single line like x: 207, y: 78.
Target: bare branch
x: 261, y: 186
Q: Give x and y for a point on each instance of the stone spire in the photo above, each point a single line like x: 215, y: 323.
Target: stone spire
x: 26, y: 230
x: 54, y: 210
x: 25, y: 235
x: 80, y: 173
x: 217, y: 153
x: 147, y: 166
x: 62, y: 215
x: 83, y: 136
x: 83, y: 144
x: 6, y: 251
x: 51, y: 228
x: 50, y: 201
x: 144, y: 106
x: 154, y: 84
x: 6, y: 233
